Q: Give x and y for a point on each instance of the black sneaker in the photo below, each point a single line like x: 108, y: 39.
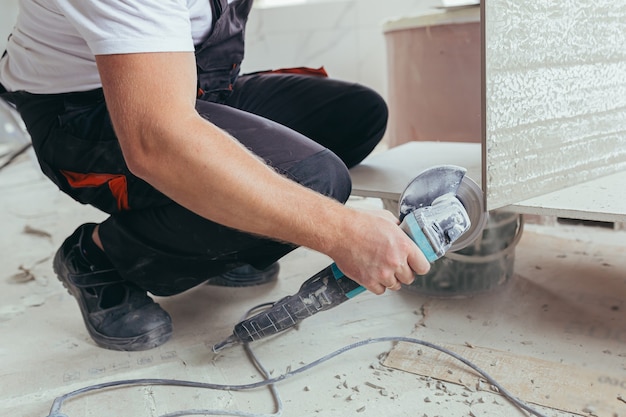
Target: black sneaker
x: 118, y: 314
x: 246, y: 276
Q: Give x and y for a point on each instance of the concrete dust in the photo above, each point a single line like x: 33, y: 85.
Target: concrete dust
x: 51, y: 354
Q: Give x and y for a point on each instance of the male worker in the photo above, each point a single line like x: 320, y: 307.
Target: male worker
x: 137, y: 108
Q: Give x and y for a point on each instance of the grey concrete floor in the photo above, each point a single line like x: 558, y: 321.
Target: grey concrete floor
x: 564, y: 306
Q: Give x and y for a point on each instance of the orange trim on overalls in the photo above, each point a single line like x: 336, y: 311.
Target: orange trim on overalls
x: 116, y: 182
x: 318, y: 72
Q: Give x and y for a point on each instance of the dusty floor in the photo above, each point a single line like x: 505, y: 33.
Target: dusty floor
x: 554, y: 334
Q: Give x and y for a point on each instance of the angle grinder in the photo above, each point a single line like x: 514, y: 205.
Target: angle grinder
x: 441, y: 210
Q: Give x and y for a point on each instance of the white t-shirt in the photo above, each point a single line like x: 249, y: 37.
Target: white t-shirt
x: 54, y: 42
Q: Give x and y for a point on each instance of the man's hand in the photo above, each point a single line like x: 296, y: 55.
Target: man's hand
x: 378, y: 254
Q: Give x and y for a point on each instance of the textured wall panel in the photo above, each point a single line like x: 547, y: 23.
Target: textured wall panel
x: 555, y: 79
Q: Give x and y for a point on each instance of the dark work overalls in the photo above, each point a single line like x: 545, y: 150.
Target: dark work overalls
x: 307, y: 128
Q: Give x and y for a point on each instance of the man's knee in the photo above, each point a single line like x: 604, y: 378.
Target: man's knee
x: 373, y: 104
x: 362, y: 127
x: 325, y: 173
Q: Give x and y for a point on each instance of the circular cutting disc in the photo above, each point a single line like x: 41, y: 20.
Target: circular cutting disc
x: 439, y: 180
x: 471, y: 196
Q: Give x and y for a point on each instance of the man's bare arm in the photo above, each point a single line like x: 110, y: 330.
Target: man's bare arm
x: 151, y: 99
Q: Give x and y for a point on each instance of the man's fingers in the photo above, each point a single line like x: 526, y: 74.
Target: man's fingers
x: 404, y: 274
x: 378, y: 289
x: 395, y: 287
x: 418, y: 262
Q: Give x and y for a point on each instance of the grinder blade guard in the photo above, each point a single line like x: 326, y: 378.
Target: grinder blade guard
x: 434, y: 182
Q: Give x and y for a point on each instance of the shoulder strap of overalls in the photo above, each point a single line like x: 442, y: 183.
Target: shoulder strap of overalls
x: 218, y: 6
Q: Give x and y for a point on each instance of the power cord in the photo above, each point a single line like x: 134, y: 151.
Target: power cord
x: 269, y: 382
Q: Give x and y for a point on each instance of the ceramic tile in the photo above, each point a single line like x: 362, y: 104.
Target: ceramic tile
x: 556, y: 96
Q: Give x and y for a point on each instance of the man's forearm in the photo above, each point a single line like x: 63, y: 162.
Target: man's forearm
x: 253, y: 199
x: 196, y: 164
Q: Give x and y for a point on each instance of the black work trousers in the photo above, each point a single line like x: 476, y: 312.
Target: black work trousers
x: 308, y: 128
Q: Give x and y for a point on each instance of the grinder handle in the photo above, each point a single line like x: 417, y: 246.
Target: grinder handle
x: 326, y: 289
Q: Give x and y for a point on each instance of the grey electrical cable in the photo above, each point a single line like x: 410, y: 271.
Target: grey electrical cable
x: 58, y: 402
x: 266, y: 375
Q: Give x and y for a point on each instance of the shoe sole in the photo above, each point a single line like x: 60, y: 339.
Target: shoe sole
x: 149, y: 340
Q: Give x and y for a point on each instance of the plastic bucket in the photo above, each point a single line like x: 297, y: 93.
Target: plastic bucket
x: 486, y: 264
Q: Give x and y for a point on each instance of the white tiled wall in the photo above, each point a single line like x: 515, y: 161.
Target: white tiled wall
x: 555, y: 98
x: 344, y: 36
